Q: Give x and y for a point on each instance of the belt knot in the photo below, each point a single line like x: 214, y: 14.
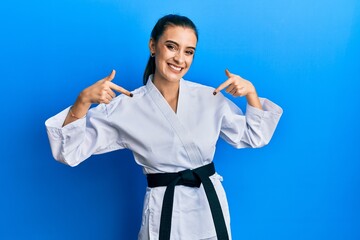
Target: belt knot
x: 188, y: 178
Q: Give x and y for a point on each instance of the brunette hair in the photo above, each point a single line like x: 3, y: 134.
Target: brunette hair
x: 159, y: 29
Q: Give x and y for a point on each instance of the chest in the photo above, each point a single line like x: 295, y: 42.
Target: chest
x: 153, y: 127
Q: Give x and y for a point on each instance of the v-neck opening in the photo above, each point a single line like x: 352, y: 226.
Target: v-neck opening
x: 175, y: 121
x: 151, y: 86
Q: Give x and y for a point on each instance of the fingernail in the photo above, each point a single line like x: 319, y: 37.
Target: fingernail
x: 131, y: 95
x: 214, y: 93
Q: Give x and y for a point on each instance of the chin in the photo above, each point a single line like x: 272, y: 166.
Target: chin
x: 174, y: 77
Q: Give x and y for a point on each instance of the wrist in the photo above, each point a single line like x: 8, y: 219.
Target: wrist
x: 83, y: 98
x: 73, y: 115
x: 80, y: 107
x: 253, y: 100
x: 252, y: 93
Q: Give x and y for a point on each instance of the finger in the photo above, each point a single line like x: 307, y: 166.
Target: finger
x: 111, y: 92
x: 111, y: 76
x: 230, y: 88
x: 223, y: 85
x: 120, y: 89
x: 104, y: 97
x: 106, y: 101
x: 109, y: 97
x: 232, y: 92
x: 228, y: 73
x: 226, y: 83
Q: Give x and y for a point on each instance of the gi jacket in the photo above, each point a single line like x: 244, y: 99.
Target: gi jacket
x: 164, y: 141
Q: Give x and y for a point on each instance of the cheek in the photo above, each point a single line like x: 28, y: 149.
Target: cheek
x: 189, y: 61
x: 165, y: 53
x: 163, y: 57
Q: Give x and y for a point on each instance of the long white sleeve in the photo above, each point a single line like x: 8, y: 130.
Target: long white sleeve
x: 78, y: 140
x: 254, y: 129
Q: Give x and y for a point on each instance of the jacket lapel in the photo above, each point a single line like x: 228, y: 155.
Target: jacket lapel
x: 173, y: 119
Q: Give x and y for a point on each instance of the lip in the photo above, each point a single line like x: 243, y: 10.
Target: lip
x: 175, y: 68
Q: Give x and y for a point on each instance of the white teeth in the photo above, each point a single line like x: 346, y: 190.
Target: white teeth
x: 175, y: 68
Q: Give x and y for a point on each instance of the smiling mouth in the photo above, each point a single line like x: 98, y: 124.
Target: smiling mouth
x: 178, y: 69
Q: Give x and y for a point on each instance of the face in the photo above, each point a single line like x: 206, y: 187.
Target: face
x: 174, y: 53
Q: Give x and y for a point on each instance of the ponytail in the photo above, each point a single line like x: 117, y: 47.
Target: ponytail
x: 150, y: 69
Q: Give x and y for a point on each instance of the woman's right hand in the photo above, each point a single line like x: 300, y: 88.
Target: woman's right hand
x: 99, y: 92
x: 102, y: 91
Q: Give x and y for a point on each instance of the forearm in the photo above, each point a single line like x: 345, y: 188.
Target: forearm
x: 78, y: 110
x: 253, y: 100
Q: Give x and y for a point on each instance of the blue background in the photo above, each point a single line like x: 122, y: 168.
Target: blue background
x: 303, y: 55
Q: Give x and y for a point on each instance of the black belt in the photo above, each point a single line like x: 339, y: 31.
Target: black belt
x: 190, y: 178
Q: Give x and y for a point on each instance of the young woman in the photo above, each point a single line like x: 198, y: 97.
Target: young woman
x: 171, y: 125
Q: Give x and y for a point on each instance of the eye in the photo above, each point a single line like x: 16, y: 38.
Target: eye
x: 171, y: 47
x: 189, y: 52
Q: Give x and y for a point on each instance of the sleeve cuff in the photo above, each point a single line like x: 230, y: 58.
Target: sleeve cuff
x: 55, y: 123
x: 269, y: 108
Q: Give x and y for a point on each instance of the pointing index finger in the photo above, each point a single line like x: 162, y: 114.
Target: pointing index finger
x: 120, y: 89
x: 224, y: 84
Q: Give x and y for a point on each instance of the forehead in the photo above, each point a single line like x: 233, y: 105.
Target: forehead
x: 181, y: 35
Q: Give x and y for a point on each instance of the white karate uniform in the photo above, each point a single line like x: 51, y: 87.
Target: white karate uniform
x: 163, y: 141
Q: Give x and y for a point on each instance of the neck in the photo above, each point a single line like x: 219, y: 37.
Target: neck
x: 169, y: 90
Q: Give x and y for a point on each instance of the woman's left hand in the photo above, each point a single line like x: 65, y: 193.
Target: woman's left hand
x: 239, y: 87
x: 236, y: 85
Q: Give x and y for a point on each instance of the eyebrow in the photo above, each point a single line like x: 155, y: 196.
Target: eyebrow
x: 173, y: 42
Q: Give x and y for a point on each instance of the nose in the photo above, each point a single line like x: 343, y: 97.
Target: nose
x: 179, y: 57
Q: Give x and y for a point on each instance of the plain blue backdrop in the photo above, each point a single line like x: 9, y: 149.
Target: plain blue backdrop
x: 303, y: 55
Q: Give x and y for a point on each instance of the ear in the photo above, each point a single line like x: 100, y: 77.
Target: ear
x: 152, y: 45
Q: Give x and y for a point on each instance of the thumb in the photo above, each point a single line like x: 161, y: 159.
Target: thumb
x: 228, y: 73
x: 111, y: 76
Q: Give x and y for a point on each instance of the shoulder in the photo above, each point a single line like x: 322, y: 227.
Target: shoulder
x: 204, y: 94
x: 126, y: 101
x: 203, y: 91
x: 198, y: 86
